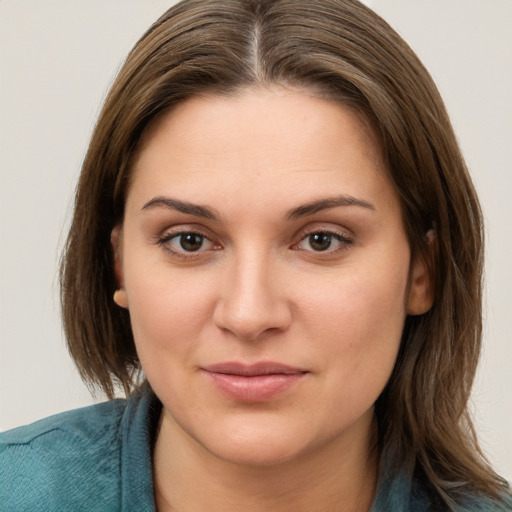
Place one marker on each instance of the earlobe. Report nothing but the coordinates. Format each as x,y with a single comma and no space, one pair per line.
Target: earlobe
120,297
421,287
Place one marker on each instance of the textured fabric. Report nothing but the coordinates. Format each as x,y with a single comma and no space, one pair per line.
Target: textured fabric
98,459
92,459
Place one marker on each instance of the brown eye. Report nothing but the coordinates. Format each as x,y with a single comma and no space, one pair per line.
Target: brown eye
185,242
323,241
191,242
320,241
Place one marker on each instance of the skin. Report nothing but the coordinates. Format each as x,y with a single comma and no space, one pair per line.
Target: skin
258,289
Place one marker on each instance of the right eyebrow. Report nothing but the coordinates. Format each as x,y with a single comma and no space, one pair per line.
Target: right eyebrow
327,203
183,207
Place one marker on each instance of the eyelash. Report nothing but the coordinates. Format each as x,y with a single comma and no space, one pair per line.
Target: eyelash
165,240
343,240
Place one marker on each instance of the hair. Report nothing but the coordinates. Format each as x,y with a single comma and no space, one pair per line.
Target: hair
341,50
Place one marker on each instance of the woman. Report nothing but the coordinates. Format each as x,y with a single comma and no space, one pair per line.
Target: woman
275,225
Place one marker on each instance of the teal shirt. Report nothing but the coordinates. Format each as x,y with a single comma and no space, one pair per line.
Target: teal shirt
98,458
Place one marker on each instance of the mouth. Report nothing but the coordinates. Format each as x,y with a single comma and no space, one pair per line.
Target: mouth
258,382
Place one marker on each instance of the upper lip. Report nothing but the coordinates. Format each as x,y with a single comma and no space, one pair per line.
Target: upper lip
251,370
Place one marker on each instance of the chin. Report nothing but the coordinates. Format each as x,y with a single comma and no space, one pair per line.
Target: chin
257,445
261,454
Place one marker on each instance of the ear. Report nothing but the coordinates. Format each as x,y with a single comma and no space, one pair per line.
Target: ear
120,297
421,282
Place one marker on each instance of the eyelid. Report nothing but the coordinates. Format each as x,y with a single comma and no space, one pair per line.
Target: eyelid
343,235
175,231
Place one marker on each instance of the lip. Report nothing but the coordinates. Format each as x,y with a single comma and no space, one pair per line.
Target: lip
257,382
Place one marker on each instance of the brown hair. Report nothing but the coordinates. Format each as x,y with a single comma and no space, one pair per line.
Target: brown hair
341,49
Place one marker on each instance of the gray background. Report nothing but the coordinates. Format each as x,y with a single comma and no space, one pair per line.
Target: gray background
57,59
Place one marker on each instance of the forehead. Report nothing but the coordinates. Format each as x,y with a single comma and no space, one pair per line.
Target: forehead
259,141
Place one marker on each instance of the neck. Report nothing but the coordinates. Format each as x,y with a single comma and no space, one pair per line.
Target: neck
341,476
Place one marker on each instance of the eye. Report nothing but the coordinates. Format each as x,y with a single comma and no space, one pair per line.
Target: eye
186,242
323,241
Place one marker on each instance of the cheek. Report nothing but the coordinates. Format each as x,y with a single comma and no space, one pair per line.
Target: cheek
167,314
359,301
359,324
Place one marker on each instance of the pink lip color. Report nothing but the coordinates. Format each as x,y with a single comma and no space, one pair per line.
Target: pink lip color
253,383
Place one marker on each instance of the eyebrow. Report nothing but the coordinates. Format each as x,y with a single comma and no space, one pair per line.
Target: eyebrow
325,204
294,214
183,207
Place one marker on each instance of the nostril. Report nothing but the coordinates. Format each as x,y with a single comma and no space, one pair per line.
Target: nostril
251,323
250,301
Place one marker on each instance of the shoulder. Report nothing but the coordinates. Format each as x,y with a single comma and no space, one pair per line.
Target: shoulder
476,504
54,462
76,425
468,503
401,488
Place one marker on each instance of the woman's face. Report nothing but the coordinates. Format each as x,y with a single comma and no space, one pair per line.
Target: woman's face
267,273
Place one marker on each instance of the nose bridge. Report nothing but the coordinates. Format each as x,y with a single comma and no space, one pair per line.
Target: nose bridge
251,301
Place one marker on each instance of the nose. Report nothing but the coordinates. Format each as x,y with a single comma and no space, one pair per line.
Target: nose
252,299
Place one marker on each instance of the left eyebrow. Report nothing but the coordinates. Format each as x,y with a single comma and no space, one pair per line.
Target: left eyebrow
183,207
325,204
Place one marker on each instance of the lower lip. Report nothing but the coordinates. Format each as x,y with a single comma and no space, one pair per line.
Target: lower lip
256,388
